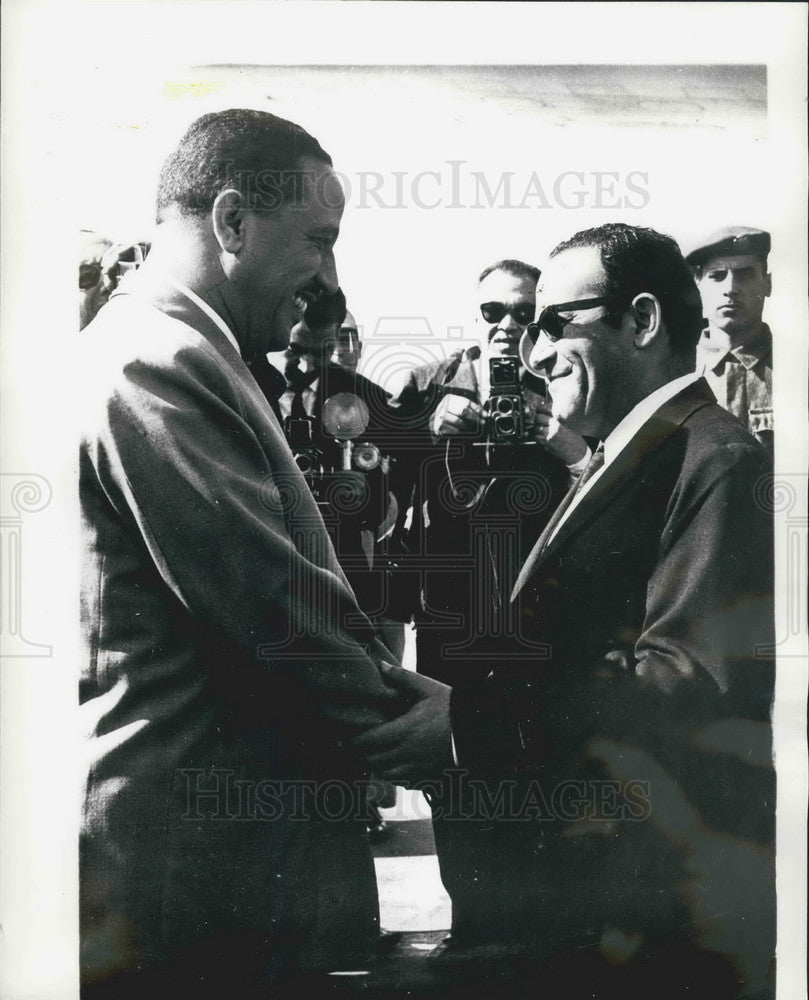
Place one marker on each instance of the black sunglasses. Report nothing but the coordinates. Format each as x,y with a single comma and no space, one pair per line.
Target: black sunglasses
552,324
493,312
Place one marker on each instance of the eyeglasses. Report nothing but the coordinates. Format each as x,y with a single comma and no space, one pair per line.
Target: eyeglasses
493,312
552,324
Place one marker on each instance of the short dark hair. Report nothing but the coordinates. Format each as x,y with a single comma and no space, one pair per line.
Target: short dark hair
516,268
253,152
637,260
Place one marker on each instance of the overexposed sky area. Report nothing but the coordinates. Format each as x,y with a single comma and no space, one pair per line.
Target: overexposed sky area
449,168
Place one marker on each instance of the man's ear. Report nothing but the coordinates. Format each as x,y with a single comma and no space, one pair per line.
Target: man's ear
647,317
768,286
227,216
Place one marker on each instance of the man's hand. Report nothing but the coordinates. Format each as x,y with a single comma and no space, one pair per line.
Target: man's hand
456,415
415,745
565,444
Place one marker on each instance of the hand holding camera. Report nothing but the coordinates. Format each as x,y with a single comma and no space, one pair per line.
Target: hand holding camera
558,439
518,411
456,415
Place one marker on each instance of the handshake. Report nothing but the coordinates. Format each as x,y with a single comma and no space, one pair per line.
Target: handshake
416,745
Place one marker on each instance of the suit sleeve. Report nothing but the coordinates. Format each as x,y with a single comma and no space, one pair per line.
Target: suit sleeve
233,531
709,610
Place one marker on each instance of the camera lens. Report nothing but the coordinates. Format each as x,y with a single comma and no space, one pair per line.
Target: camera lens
366,457
505,405
304,462
505,426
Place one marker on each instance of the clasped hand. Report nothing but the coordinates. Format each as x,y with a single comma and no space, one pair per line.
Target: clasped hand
417,744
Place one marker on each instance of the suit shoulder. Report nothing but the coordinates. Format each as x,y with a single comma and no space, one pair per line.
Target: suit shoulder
712,430
130,328
133,352
715,448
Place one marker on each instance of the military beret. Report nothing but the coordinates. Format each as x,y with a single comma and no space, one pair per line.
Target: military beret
728,241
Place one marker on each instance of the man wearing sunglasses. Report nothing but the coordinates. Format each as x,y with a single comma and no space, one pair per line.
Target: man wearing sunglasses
631,851
455,490
507,297
94,288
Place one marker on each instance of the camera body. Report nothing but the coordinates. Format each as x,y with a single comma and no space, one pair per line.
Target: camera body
507,417
308,457
338,471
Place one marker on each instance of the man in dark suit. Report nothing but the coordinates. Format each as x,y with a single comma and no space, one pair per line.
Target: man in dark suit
630,787
227,664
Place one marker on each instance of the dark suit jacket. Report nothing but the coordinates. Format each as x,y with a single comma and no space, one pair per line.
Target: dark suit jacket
645,727
472,525
224,652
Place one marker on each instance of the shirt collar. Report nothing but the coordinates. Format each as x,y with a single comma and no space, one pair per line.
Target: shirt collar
209,312
748,356
620,437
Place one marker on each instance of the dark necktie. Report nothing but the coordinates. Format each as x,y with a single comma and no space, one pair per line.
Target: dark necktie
592,467
299,381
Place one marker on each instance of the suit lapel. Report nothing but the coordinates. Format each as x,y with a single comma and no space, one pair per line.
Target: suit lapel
621,472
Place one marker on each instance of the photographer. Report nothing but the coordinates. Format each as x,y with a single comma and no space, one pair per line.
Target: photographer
350,478
461,488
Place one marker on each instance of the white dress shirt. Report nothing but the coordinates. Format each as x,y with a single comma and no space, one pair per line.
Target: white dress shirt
278,360
620,437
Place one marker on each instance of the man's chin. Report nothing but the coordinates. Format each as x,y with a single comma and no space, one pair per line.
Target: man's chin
732,325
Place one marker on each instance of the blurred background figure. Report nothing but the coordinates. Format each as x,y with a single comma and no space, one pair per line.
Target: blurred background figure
121,258
300,384
348,346
102,265
93,289
735,350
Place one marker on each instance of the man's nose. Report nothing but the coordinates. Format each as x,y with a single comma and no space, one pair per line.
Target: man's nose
509,325
729,283
543,355
327,275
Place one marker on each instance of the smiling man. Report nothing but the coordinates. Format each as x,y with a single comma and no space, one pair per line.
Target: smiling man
626,769
735,350
226,662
